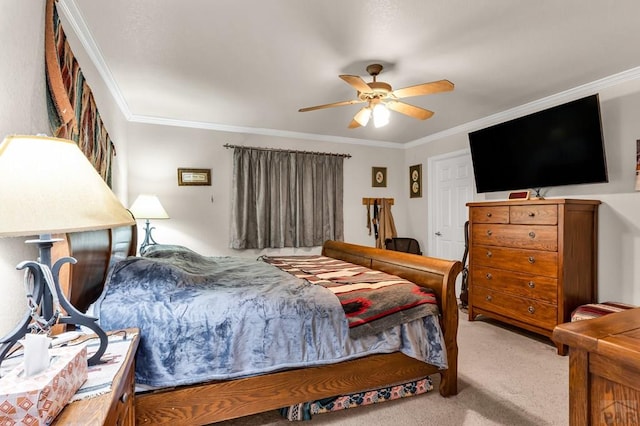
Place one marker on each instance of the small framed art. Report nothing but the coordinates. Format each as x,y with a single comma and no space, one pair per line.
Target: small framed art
519,195
187,177
379,177
415,181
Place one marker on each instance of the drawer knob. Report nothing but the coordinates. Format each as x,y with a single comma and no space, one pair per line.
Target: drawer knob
532,310
489,214
125,397
489,276
531,284
532,259
531,214
489,298
532,234
489,232
489,254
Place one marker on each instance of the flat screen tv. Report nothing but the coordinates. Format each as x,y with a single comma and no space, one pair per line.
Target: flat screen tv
562,145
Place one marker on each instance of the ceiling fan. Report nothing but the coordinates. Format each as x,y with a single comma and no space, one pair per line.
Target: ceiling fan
380,98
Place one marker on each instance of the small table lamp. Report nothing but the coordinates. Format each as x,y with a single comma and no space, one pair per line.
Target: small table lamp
147,206
49,187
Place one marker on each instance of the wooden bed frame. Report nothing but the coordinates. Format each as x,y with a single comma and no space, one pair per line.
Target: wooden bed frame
222,400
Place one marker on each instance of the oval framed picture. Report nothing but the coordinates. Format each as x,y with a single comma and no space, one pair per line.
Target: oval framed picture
415,181
379,177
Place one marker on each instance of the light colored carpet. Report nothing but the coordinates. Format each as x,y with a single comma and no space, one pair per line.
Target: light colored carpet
505,377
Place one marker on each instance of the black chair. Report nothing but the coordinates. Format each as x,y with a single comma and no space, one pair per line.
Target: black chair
407,245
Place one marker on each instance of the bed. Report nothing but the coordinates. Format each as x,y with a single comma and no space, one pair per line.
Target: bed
219,400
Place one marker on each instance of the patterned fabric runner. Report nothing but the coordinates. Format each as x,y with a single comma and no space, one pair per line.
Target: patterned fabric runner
372,300
101,376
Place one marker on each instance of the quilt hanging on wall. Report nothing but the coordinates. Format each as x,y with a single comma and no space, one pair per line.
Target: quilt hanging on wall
72,110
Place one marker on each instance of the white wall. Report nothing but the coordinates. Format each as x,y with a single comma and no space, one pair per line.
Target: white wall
23,110
149,155
108,107
619,220
200,215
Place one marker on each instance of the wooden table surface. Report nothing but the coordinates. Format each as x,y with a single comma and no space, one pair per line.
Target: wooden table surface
94,411
604,368
615,335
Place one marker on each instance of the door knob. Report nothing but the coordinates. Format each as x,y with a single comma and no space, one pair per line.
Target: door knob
439,234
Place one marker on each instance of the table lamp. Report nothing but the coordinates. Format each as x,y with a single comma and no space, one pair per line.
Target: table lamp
147,206
49,187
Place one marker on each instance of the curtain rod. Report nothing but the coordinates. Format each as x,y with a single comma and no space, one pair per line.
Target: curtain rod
287,150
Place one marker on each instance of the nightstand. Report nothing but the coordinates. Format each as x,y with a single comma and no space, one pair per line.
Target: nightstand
114,408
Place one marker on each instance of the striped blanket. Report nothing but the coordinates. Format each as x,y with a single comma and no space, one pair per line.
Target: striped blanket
372,300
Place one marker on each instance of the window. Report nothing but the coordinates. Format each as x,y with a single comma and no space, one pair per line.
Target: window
285,198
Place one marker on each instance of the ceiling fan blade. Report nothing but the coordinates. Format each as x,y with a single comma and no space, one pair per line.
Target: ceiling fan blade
410,110
357,83
331,105
424,89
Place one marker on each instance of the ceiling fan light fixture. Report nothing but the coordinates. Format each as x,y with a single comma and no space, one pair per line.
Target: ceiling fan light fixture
381,99
380,115
363,116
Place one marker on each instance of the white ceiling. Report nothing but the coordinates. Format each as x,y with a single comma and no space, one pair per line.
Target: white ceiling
249,65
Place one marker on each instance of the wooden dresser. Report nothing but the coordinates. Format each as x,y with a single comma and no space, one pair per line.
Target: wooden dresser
531,263
604,369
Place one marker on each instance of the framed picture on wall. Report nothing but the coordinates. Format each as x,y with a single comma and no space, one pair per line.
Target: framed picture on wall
189,177
415,181
379,177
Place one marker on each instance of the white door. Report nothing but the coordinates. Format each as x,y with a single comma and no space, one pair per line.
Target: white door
451,186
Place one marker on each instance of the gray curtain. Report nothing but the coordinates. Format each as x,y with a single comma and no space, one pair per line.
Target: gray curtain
285,199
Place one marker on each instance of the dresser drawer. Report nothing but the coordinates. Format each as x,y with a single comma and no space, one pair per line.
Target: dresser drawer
534,237
525,285
498,214
534,215
532,262
519,308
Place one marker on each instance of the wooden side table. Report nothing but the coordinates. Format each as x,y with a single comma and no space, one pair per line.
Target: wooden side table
114,408
604,368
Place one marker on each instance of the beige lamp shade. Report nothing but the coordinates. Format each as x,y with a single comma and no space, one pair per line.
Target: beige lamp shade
48,186
147,206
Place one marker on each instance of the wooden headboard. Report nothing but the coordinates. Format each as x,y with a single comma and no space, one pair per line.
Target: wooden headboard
95,251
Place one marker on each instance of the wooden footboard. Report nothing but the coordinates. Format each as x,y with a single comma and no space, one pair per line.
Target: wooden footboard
217,401
437,274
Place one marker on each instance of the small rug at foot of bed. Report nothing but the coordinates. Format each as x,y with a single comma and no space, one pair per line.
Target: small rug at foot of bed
306,410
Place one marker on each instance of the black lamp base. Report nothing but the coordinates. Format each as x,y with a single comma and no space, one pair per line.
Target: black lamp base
43,299
148,239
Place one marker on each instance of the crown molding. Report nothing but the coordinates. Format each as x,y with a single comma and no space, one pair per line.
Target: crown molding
531,107
145,119
70,11
72,14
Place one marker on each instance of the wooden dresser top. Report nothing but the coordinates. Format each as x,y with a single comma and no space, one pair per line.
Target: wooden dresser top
533,202
615,336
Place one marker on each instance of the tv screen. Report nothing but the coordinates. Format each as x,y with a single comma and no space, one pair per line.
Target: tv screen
562,145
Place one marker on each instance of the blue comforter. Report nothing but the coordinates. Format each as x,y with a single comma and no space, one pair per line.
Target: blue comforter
213,318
